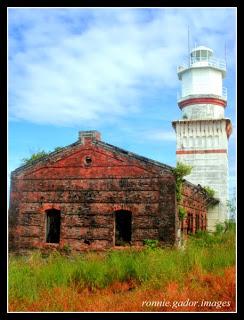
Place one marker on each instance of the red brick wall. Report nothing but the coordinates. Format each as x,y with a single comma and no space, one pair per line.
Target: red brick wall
88,195
194,203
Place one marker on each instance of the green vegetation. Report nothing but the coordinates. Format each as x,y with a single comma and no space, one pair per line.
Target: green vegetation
38,155
58,149
231,205
219,228
228,225
30,274
150,243
35,156
181,170
182,213
209,191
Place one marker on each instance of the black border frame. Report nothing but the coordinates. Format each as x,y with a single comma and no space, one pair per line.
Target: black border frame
4,5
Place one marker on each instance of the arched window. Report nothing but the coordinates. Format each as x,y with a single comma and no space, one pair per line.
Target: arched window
53,221
202,222
122,227
189,223
197,222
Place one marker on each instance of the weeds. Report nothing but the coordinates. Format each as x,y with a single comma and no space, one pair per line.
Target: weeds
151,243
205,253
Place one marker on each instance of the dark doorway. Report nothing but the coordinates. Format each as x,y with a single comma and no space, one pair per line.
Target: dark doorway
122,227
53,226
197,222
189,223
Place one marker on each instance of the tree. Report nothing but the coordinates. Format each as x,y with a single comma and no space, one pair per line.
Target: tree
181,170
35,156
38,155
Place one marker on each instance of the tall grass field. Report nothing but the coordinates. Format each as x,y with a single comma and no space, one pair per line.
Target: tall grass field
130,279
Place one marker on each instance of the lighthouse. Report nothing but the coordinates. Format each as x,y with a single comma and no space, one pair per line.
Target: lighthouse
203,131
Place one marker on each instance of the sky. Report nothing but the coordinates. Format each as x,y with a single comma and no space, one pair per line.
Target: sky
111,70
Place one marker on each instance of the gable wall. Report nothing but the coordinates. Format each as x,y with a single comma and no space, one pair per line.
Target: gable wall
88,196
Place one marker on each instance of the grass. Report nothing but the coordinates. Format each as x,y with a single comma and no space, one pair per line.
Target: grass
32,275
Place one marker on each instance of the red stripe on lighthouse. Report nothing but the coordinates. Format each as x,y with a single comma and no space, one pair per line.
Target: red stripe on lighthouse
190,101
201,151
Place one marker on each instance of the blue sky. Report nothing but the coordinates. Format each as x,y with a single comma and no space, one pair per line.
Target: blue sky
113,70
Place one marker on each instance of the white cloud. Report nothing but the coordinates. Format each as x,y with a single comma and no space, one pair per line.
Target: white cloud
160,135
70,66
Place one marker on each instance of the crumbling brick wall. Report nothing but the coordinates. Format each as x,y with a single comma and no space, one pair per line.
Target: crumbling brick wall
194,202
88,194
88,182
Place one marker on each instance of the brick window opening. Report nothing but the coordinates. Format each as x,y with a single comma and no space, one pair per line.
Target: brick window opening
203,223
122,227
53,221
189,223
197,222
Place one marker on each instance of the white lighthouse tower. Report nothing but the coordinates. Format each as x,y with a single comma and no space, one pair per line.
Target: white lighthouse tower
202,133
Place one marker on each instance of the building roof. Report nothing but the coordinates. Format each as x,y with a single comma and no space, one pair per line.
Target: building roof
201,48
99,143
133,155
121,151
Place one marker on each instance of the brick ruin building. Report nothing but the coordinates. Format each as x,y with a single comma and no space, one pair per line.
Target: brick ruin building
93,195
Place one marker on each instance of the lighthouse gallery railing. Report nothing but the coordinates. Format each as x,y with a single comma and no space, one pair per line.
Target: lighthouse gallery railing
197,62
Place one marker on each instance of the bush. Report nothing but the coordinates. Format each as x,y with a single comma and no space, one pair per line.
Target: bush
66,249
209,191
219,228
230,225
150,243
181,170
38,155
182,213
35,156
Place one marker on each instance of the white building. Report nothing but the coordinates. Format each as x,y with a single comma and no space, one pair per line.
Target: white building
202,133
